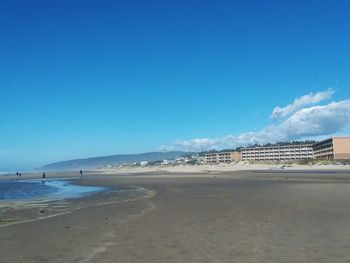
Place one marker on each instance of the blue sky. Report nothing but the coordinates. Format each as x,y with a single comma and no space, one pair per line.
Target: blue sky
90,78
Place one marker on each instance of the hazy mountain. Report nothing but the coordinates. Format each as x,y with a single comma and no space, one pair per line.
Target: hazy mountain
95,162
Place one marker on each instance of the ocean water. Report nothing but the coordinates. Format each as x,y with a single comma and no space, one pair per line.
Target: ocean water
50,189
6,173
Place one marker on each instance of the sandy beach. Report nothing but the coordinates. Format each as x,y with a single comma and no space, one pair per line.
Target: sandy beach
218,216
223,167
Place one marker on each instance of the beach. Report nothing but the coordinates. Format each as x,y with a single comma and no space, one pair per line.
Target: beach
174,216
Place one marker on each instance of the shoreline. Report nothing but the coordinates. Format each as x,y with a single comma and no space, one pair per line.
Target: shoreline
194,170
329,174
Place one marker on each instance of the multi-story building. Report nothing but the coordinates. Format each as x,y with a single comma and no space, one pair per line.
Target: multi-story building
333,148
222,157
278,152
211,158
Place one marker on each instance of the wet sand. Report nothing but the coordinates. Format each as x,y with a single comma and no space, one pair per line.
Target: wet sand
221,217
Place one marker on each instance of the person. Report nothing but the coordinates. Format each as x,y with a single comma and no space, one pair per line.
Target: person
17,174
43,177
81,174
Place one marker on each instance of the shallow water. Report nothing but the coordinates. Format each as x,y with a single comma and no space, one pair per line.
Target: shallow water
50,189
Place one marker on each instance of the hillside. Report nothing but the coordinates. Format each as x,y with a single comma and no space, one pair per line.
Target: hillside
95,162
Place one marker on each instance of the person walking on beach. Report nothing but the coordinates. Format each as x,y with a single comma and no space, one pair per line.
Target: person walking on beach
81,174
43,177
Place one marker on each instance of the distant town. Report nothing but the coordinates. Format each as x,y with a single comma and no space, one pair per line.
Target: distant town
335,148
332,150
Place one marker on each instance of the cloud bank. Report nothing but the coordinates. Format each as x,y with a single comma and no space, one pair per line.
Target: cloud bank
299,103
296,121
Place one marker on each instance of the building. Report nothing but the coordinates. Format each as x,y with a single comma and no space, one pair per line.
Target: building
236,156
278,152
211,158
222,157
143,163
333,148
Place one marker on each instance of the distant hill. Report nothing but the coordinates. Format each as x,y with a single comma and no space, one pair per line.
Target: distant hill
95,162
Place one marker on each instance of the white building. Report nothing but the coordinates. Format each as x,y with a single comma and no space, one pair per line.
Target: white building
143,163
278,152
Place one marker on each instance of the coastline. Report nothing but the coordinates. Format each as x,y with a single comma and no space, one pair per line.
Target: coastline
238,170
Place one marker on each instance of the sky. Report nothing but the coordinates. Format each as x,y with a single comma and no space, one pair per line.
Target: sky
90,78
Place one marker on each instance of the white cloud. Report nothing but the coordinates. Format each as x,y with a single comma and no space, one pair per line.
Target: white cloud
317,120
314,121
299,103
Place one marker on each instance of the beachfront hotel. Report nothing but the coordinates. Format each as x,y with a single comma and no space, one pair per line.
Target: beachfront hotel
222,157
278,152
337,148
333,148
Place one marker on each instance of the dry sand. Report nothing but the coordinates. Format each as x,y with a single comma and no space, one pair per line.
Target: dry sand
223,167
268,216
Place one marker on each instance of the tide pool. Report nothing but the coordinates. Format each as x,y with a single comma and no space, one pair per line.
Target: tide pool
50,189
